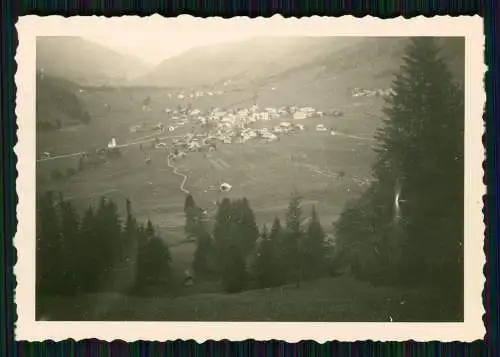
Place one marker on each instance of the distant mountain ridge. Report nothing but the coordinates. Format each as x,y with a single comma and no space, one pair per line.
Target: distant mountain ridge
318,66
84,62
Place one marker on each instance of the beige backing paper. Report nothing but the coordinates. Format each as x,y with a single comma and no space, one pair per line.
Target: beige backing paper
29,27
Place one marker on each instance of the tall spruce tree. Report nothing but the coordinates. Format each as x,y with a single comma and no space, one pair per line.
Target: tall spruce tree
277,239
234,272
244,229
222,231
230,252
49,253
314,247
111,248
411,221
70,244
154,260
428,160
265,267
87,254
193,215
203,255
292,242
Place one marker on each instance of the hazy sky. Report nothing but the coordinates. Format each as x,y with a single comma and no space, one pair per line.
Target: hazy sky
155,47
155,41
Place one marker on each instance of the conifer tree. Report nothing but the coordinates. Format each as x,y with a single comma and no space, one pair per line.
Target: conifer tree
69,245
423,140
229,255
222,227
48,246
411,221
265,263
109,230
87,271
277,239
313,247
203,255
154,259
293,237
244,230
234,273
193,215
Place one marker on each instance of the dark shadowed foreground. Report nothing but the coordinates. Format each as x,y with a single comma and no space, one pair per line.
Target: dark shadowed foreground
331,300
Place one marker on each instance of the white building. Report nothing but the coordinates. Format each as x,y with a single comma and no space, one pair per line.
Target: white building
112,143
299,115
320,127
285,125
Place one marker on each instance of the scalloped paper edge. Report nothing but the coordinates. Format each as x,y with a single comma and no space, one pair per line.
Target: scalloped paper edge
28,329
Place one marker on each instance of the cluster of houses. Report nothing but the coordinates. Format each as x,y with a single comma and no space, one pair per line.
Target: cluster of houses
358,92
234,126
147,127
194,95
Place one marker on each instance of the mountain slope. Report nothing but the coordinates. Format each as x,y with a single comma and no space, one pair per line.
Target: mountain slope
57,104
250,59
293,70
85,62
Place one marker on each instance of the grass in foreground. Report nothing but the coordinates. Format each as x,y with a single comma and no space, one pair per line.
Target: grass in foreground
341,299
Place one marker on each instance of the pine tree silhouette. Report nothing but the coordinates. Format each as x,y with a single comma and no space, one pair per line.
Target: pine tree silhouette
314,247
409,225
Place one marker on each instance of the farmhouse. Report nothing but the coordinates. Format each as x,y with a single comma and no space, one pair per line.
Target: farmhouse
160,127
135,128
307,110
285,125
299,115
112,143
225,187
269,136
161,146
194,145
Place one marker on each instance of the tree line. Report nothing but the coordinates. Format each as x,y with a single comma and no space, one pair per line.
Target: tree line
96,251
55,100
241,255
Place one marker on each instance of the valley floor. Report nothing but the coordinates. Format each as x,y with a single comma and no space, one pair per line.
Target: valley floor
341,299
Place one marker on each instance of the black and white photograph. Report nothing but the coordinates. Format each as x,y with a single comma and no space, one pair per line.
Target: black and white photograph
221,173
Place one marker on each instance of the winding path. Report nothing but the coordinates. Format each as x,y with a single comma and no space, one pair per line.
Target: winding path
175,171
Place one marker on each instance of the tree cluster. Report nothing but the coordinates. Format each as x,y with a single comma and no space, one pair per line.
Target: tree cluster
97,251
56,99
408,227
241,255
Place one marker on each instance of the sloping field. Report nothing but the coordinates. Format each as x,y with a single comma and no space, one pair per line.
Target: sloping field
327,300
